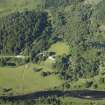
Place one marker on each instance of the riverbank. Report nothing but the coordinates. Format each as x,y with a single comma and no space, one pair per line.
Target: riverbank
82,94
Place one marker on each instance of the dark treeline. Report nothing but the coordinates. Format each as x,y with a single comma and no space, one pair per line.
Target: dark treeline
57,3
19,32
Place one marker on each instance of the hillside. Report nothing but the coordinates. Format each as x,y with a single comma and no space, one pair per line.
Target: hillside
10,6
52,45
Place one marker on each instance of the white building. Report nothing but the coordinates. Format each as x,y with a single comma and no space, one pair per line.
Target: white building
53,58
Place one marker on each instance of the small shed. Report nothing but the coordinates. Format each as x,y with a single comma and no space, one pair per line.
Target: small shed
53,57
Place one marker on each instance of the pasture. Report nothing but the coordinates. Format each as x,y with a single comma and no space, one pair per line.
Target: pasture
23,79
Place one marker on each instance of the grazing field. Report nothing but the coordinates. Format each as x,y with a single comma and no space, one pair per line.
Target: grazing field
24,79
75,101
9,6
60,48
93,2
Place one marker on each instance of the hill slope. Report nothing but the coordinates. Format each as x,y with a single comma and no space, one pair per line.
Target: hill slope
71,22
8,6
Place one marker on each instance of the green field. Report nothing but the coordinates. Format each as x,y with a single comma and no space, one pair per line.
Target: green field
60,48
76,101
24,80
10,6
93,2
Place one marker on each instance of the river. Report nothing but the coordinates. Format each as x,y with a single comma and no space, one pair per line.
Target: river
83,94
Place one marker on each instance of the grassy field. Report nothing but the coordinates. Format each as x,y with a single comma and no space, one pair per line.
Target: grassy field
93,2
24,79
60,48
9,6
76,101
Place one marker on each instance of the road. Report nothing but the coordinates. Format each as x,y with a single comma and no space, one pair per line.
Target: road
17,56
83,94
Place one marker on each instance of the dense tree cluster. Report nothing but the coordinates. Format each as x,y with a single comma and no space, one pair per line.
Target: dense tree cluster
76,27
99,13
19,32
57,3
